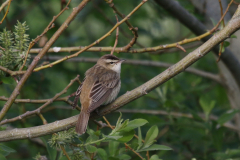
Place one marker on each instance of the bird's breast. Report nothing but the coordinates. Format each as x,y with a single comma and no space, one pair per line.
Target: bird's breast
114,93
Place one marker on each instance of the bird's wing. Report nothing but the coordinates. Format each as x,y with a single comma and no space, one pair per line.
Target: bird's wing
101,91
77,96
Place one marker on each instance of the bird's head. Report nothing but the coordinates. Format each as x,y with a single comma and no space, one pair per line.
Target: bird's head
111,62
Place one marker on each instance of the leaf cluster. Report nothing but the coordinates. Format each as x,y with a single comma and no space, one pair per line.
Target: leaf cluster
123,132
14,47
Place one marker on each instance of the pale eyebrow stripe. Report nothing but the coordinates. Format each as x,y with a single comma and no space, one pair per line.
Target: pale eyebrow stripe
111,60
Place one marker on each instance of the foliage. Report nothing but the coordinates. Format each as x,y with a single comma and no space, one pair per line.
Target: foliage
188,113
5,151
122,133
15,47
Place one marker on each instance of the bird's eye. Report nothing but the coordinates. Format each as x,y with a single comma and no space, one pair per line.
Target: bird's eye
111,62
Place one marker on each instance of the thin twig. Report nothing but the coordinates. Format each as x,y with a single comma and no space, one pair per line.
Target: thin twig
116,41
94,43
150,49
34,63
118,49
131,28
180,47
50,26
65,153
42,118
204,74
23,133
127,146
120,29
38,110
6,70
9,2
3,98
221,46
219,22
176,114
4,5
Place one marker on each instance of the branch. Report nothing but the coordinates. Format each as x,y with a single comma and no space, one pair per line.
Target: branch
34,63
233,25
177,114
119,49
126,145
131,28
204,74
3,98
50,26
117,34
228,58
6,70
38,110
3,5
94,43
121,30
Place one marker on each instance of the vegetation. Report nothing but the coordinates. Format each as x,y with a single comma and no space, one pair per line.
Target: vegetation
161,112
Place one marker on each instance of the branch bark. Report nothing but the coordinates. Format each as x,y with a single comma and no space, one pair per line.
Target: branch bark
136,93
34,63
228,58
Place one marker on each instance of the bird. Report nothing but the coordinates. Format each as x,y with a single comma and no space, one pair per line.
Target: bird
100,86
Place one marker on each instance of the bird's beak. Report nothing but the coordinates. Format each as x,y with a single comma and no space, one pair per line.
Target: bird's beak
122,60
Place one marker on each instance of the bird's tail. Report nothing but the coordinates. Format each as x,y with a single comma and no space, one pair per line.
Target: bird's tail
82,122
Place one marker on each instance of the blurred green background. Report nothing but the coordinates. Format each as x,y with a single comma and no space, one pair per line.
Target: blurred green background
185,93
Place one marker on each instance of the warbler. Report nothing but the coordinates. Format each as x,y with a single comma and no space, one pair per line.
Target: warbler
101,85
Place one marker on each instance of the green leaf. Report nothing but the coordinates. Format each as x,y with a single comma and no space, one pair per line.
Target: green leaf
126,136
233,36
102,154
8,80
5,150
121,125
2,157
92,138
227,116
113,148
155,147
154,157
119,121
51,151
124,157
90,131
151,135
207,108
134,124
139,138
91,149
113,137
226,44
214,22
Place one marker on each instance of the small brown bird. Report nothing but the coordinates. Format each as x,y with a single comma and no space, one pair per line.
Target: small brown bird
100,86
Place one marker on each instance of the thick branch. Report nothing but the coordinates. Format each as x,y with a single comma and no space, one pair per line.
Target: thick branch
172,71
17,89
228,58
